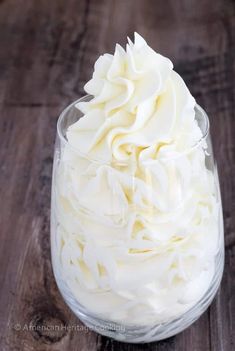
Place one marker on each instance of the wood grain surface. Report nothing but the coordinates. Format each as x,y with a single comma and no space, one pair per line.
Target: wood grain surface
47,52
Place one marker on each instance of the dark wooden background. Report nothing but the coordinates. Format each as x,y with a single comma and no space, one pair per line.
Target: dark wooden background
47,52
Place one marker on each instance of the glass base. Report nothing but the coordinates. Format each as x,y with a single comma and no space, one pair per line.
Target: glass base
144,334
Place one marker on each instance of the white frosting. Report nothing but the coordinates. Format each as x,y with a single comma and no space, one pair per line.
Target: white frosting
137,212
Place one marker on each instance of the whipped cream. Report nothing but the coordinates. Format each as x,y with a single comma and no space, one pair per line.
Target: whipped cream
135,204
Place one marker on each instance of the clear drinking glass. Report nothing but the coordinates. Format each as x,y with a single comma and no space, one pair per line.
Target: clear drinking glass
137,252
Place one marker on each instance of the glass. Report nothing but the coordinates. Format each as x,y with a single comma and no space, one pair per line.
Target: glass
137,252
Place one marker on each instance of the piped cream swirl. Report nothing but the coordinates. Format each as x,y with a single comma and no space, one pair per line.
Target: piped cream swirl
139,102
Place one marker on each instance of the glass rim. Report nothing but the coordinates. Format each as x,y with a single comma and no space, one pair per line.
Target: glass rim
64,140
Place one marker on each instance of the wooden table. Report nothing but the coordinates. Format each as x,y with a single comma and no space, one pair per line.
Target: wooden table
47,53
